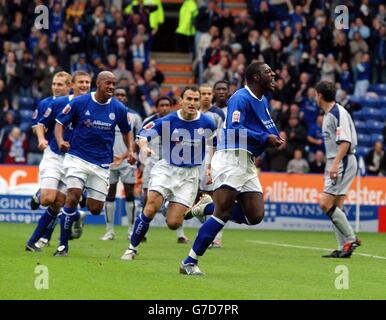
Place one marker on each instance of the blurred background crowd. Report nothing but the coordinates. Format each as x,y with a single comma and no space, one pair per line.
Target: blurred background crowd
297,38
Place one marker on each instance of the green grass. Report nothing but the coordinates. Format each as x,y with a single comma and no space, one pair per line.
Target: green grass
240,270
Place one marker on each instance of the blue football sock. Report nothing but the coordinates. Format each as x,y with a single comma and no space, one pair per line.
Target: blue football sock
43,222
205,237
67,218
238,215
209,209
141,226
37,195
50,228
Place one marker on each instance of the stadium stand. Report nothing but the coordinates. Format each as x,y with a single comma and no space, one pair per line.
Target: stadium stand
296,38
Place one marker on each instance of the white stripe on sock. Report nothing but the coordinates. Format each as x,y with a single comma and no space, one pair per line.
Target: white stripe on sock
193,255
218,220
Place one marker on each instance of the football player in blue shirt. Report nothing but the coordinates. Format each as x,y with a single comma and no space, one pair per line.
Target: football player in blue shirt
90,151
51,192
51,165
248,131
184,136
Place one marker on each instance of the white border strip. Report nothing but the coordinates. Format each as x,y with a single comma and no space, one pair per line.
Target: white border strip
310,248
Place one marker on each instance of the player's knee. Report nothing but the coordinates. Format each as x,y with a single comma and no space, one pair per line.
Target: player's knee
73,198
47,199
173,224
95,210
257,217
325,206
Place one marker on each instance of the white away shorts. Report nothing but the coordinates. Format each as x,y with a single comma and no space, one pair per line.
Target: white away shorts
236,169
175,184
51,171
82,174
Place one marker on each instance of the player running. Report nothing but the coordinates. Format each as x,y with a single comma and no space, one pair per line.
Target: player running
94,117
52,188
184,136
163,106
340,139
248,131
125,171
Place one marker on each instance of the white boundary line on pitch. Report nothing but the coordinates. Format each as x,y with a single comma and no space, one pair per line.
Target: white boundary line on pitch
310,248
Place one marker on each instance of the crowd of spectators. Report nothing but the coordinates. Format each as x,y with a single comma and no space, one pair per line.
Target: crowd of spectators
297,38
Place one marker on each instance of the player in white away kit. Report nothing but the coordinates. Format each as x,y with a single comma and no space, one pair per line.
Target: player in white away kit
94,117
124,171
340,139
184,137
52,188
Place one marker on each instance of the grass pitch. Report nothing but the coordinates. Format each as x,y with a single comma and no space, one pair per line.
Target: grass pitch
252,265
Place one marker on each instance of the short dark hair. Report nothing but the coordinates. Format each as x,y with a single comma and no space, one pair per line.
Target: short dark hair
164,98
192,88
252,70
220,82
327,90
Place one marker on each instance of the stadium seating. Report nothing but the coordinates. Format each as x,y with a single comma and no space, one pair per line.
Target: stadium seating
379,89
26,103
383,113
362,151
371,114
376,137
361,126
369,102
358,115
374,126
364,140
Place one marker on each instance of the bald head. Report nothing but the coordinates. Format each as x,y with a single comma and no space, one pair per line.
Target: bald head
105,82
105,75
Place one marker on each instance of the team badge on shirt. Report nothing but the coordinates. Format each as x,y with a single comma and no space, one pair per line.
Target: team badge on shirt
338,132
47,113
200,130
236,116
149,126
112,116
66,109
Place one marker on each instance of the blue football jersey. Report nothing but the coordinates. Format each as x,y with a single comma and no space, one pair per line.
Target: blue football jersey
248,123
41,110
48,121
94,127
183,141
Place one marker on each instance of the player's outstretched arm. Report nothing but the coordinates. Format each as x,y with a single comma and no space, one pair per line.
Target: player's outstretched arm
129,142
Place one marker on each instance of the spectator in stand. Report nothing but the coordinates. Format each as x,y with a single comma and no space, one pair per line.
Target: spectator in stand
186,29
379,52
363,76
226,19
359,27
243,25
121,71
319,164
375,160
206,18
61,49
358,47
217,72
135,99
296,134
315,137
139,51
251,47
309,108
15,147
329,68
158,75
262,16
298,164
345,78
12,73
82,65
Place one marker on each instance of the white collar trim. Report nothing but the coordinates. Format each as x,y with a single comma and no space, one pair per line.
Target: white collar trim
180,116
252,94
95,100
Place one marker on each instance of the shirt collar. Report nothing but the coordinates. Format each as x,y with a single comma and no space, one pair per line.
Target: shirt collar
251,93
